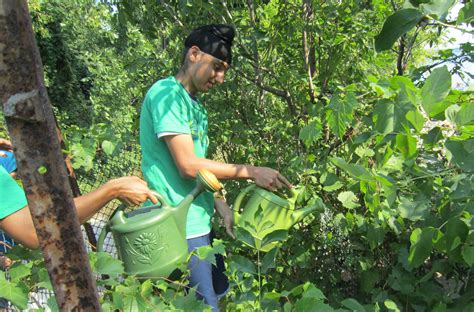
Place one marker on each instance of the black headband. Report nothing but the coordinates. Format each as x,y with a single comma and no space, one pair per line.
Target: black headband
215,39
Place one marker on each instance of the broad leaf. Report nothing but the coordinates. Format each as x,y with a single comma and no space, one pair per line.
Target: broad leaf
353,305
245,236
104,263
243,264
412,210
20,270
275,236
384,116
421,246
340,113
108,147
16,293
406,144
268,261
439,8
311,132
416,119
356,171
435,90
465,114
461,153
468,254
348,200
466,14
395,26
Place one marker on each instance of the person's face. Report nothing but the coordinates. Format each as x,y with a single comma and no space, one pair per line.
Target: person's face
207,71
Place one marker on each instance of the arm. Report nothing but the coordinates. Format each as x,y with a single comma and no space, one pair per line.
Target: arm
131,190
182,149
226,214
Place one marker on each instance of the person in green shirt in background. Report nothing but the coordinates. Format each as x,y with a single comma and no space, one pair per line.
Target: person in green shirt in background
174,142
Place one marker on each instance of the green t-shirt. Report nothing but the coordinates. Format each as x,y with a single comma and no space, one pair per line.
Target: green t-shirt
12,197
168,107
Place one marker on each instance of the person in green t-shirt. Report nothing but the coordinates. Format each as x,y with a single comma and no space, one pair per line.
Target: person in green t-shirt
174,142
15,218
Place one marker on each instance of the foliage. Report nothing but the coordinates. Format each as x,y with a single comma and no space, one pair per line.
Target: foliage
341,96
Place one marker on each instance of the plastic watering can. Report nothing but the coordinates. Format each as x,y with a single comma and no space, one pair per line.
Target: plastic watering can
151,241
265,212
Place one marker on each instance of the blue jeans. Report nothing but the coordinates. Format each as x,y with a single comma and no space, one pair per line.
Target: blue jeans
210,280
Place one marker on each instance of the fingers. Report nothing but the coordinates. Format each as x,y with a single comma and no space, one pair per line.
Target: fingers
152,197
285,181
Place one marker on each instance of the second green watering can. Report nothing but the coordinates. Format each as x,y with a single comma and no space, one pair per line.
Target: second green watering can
151,241
265,212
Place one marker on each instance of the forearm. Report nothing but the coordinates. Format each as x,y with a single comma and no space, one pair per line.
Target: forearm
219,169
87,205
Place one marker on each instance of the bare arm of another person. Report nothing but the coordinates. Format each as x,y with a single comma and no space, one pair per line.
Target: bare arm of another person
130,190
182,149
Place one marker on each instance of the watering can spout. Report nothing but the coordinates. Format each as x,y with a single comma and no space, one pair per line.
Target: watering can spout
300,214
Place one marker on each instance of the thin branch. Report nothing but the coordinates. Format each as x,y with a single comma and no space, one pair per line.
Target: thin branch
173,14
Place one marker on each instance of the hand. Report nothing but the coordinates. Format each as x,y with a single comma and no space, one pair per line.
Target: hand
227,216
132,190
269,178
6,145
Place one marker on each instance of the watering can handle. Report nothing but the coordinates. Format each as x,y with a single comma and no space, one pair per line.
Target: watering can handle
294,195
240,197
162,202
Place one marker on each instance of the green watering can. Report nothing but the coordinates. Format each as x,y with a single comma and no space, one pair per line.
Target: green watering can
151,241
265,212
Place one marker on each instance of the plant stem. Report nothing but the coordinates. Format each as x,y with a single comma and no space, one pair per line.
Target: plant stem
259,281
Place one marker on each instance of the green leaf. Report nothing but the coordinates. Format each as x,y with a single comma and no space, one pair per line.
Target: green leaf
406,144
348,200
340,113
435,90
275,236
421,246
44,280
103,263
375,235
244,236
465,114
416,119
389,187
52,304
311,291
311,132
412,210
461,153
268,261
395,26
384,116
108,147
440,8
206,253
468,254
20,270
16,293
354,170
391,305
466,14
353,305
243,264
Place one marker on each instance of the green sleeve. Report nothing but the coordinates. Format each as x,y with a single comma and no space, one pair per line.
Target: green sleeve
12,197
169,112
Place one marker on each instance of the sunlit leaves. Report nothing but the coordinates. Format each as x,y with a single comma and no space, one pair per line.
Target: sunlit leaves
438,8
395,26
412,210
17,293
348,200
311,132
339,114
435,90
